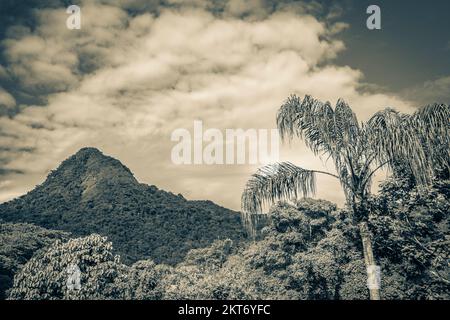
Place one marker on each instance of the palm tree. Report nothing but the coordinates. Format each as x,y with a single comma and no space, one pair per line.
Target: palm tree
358,150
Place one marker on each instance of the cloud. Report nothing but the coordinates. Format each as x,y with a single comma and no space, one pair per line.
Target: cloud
125,81
3,73
434,91
7,101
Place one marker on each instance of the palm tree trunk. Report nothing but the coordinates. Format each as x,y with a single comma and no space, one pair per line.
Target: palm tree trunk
368,258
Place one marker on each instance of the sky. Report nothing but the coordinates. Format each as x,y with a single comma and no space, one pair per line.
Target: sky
138,70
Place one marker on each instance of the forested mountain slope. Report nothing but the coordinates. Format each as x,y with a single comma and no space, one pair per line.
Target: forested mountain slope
94,193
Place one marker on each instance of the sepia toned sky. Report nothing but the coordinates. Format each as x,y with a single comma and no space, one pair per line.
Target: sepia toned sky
137,70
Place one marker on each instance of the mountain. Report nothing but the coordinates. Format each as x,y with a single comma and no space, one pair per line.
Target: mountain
94,193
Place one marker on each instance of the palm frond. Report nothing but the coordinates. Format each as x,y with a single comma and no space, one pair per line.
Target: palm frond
289,116
275,182
308,119
346,124
393,140
433,119
432,124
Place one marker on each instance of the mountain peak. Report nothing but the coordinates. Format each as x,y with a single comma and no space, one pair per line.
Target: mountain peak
91,192
91,172
89,151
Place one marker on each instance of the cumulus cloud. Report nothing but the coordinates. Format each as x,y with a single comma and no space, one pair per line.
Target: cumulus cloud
125,81
434,91
7,101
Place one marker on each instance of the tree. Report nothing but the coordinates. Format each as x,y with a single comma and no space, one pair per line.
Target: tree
18,244
410,229
143,281
357,150
45,276
198,276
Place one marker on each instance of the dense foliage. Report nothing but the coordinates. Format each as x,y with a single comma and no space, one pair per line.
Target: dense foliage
45,275
411,232
303,255
93,193
18,244
310,250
